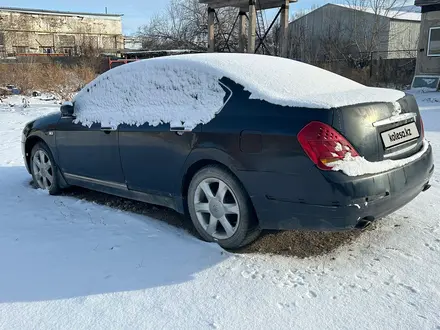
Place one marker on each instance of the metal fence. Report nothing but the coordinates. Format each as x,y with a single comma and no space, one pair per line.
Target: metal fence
381,68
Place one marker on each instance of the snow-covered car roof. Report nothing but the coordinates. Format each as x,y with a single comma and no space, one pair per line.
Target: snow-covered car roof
288,82
185,89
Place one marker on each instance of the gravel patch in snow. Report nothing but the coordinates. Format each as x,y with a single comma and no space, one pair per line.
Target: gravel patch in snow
302,244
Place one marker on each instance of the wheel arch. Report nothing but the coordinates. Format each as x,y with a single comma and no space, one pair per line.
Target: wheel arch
194,168
200,160
202,157
31,141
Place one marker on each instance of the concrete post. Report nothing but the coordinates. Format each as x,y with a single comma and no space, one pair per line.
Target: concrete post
242,31
211,41
284,28
252,27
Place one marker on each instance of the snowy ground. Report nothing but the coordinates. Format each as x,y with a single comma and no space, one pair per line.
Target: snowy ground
69,264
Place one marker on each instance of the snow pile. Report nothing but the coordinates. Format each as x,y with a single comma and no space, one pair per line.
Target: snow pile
356,166
431,100
185,89
22,104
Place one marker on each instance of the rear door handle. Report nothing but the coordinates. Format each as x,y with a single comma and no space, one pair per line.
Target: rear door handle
180,130
107,130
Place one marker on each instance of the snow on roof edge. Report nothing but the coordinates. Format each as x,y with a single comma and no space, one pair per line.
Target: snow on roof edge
59,12
402,15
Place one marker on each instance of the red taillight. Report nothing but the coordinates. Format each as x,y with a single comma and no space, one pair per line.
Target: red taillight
422,128
323,144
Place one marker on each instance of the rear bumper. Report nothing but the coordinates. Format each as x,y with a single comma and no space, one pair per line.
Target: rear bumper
345,200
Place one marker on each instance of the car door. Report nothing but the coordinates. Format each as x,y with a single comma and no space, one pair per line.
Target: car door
89,154
152,157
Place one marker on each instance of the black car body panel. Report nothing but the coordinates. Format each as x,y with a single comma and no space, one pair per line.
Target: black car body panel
138,144
257,141
88,151
43,129
332,200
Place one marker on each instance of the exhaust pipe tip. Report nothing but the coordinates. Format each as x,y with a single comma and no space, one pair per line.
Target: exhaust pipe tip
426,187
364,223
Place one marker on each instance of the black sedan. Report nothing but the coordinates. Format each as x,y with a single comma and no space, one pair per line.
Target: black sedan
259,159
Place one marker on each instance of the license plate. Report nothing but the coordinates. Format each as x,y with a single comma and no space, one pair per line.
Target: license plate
400,134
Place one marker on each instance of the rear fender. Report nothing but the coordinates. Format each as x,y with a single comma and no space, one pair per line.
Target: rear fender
210,154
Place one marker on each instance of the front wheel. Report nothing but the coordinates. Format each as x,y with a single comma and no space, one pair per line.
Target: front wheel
43,168
220,208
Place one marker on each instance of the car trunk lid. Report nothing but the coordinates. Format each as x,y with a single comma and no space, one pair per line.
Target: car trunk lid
380,131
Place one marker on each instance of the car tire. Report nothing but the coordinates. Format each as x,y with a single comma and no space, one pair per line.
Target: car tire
220,208
43,169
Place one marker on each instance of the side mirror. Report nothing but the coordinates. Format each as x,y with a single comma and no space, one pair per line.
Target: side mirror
67,109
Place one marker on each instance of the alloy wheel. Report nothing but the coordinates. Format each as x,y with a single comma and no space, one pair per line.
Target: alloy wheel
216,208
42,169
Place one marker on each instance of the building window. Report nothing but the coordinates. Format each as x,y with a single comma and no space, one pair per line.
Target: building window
434,42
20,49
68,51
46,50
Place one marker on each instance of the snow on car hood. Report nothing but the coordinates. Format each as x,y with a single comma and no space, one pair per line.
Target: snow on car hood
184,90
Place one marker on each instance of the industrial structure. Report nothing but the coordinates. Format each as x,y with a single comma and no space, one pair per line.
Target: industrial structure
35,31
248,11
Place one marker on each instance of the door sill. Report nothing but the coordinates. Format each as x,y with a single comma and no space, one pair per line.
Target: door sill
121,190
73,177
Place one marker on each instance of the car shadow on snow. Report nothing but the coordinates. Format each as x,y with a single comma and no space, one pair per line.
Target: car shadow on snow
296,243
58,247
86,243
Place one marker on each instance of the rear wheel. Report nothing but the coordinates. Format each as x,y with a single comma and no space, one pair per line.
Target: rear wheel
220,208
43,169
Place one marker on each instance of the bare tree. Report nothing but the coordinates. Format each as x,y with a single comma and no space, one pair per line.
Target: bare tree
183,24
370,32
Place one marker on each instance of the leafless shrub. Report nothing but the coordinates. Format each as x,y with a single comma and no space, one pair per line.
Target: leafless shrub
41,77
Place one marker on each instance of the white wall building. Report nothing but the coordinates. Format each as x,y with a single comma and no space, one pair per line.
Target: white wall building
337,31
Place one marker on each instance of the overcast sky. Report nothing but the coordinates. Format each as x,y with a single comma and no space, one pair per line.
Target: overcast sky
135,13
